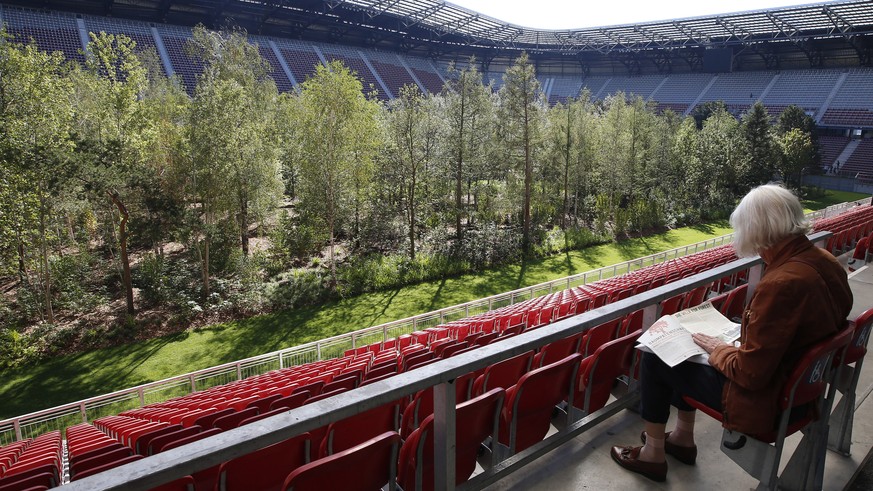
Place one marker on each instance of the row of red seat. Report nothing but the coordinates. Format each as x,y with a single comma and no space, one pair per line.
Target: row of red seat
32,464
848,228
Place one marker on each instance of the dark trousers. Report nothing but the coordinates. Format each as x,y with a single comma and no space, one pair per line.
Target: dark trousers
662,386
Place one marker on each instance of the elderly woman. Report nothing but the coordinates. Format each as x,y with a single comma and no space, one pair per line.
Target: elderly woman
802,298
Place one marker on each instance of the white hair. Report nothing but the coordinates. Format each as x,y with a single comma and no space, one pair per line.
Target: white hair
764,217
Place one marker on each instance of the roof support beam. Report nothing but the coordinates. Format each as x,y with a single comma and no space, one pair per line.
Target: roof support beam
694,36
733,29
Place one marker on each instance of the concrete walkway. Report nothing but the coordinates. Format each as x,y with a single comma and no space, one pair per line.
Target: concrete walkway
584,463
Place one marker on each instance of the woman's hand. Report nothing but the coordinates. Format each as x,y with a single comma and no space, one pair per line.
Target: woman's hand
708,343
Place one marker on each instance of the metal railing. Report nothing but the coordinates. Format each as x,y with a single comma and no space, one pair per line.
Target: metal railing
203,454
59,417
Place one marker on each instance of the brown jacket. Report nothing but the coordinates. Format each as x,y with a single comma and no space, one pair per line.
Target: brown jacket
794,306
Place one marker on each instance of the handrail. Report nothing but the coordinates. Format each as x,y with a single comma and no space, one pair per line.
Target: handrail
202,454
56,418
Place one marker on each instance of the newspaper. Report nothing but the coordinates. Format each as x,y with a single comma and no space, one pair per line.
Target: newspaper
670,336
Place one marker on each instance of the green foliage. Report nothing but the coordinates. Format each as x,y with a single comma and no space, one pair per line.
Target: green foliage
73,291
296,288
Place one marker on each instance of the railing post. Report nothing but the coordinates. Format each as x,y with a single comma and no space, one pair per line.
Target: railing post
141,395
83,412
239,372
755,273
318,351
282,360
17,426
193,383
384,332
444,436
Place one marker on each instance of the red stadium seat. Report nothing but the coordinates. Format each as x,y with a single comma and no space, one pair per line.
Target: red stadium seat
264,469
846,382
347,433
802,401
365,467
528,407
476,420
598,372
504,373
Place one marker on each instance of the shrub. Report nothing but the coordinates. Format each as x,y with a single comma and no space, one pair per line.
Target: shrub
296,288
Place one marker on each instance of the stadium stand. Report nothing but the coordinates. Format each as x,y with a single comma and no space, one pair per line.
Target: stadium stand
860,162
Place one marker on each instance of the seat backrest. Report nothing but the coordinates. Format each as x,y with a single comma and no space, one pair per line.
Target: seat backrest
858,347
99,460
695,297
297,399
158,442
504,373
368,466
599,335
416,411
206,421
558,350
263,415
188,439
475,420
109,465
631,322
672,304
598,371
527,409
265,469
733,306
231,421
28,480
345,383
810,376
314,388
263,403
346,433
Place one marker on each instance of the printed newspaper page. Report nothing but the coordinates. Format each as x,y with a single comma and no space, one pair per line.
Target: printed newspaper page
670,336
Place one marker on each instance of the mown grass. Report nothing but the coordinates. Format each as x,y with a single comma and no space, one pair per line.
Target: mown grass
75,377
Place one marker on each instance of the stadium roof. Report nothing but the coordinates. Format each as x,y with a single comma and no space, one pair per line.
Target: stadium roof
438,23
838,33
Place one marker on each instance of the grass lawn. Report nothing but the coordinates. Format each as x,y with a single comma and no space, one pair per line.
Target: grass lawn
71,378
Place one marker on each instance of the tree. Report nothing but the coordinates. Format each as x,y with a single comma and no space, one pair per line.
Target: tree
703,111
412,132
722,152
759,142
797,155
35,144
336,129
113,132
469,118
235,67
794,117
520,108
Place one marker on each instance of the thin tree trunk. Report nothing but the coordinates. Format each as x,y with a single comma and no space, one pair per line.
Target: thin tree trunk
528,179
459,175
204,267
565,209
243,226
122,244
47,277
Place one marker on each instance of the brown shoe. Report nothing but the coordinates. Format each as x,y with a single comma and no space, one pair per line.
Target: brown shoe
686,455
628,457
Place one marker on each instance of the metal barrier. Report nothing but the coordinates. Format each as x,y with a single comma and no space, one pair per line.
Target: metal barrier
203,454
59,417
